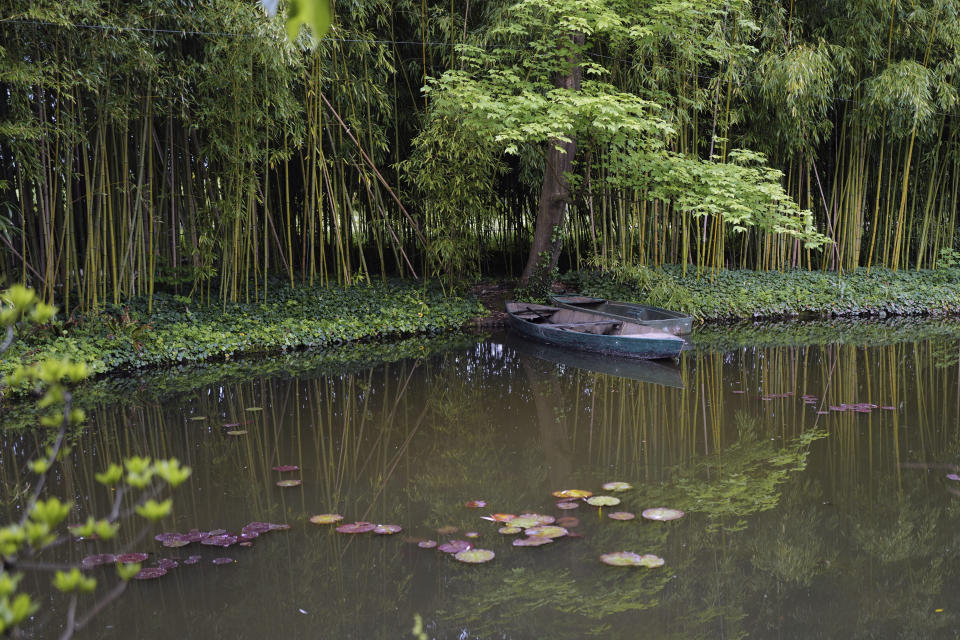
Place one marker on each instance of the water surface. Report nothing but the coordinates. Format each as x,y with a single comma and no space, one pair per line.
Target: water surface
802,521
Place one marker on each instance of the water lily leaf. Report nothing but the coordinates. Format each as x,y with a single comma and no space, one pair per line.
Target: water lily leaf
150,573
237,432
455,546
662,513
603,501
254,408
509,531
471,534
131,558
953,476
524,522
167,563
572,493
621,515
95,561
532,541
565,505
289,483
326,518
222,540
192,560
387,529
175,543
652,561
499,517
356,527
617,486
286,467
547,531
219,561
474,556
622,559
198,418
427,544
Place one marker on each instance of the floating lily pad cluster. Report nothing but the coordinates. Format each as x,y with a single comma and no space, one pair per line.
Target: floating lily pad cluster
359,526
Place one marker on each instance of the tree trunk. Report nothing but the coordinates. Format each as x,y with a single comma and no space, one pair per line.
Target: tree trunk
555,192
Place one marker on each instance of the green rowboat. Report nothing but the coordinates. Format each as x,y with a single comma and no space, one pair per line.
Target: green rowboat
670,321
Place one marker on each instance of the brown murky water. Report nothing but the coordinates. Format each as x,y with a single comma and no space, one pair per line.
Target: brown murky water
801,520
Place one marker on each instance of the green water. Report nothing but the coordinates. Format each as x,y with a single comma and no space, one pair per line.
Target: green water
798,524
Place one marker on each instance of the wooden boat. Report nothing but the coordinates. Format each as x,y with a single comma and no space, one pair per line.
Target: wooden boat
670,321
589,331
664,373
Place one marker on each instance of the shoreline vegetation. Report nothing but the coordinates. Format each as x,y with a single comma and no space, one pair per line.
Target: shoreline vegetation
384,317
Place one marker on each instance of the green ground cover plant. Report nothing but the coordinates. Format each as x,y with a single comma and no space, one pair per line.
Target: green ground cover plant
741,294
177,331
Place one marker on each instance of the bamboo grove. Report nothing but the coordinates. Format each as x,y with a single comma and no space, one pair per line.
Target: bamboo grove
188,146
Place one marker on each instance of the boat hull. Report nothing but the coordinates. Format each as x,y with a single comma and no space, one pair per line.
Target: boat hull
678,324
654,345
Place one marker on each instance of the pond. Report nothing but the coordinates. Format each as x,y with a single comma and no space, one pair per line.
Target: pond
813,477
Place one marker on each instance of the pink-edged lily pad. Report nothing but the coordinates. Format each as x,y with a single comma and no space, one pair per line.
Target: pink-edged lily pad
427,544
572,493
150,573
289,483
603,501
326,518
455,546
224,540
474,556
547,531
131,558
568,521
281,526
621,515
475,504
509,531
499,517
230,425
162,537
167,563
194,535
282,468
247,536
662,513
387,529
651,561
356,527
953,476
95,561
617,486
192,560
175,543
565,505
219,561
532,541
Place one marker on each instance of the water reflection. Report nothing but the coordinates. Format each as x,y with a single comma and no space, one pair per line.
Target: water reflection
802,521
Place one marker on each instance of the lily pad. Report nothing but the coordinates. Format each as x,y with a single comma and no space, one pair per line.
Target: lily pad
237,432
617,486
953,476
289,483
455,546
475,504
222,540
621,515
662,513
509,531
547,531
565,505
500,517
131,558
222,561
471,534
286,467
192,560
254,408
150,573
427,544
274,526
572,493
247,536
622,559
603,501
175,543
524,522
356,527
387,529
194,535
475,556
652,561
197,418
167,563
532,541
162,537
95,561
326,518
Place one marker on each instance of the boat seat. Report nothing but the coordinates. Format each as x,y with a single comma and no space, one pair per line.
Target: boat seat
602,327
